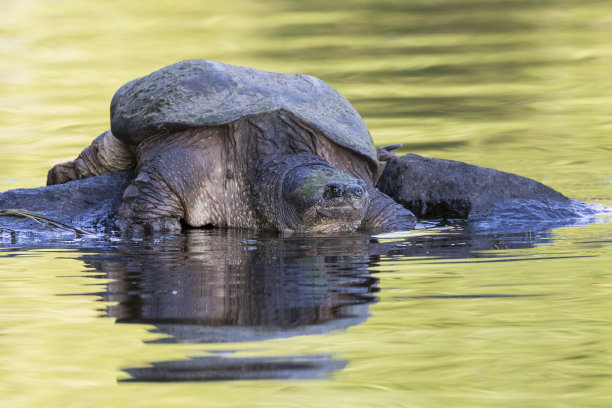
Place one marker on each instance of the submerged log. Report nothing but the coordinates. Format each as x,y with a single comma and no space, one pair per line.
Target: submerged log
87,205
447,189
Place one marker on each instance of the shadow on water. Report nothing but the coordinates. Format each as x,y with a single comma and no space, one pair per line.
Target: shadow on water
228,286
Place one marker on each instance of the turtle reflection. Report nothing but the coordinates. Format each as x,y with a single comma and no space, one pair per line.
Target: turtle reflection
211,287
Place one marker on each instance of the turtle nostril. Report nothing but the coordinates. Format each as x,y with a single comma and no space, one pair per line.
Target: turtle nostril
333,190
357,191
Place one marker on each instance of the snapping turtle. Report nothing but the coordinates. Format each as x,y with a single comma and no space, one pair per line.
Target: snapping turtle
222,145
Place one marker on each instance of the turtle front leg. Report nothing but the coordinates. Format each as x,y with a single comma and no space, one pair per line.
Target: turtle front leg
149,206
384,214
106,154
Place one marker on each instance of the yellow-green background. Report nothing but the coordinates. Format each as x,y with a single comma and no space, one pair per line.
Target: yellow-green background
522,86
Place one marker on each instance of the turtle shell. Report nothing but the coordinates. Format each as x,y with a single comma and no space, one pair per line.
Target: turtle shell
202,93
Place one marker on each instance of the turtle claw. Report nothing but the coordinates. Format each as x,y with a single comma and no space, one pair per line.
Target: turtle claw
151,227
385,154
158,226
129,229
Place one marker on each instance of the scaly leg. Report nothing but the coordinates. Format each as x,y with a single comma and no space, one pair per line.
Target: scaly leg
106,154
149,206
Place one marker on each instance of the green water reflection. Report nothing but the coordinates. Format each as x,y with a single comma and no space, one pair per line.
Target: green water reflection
521,86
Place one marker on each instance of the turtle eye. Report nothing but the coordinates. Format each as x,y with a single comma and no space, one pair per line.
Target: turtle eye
333,190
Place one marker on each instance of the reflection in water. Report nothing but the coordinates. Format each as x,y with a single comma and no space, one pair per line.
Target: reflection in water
212,287
236,279
221,368
236,286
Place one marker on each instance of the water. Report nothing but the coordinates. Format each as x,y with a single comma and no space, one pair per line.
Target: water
458,315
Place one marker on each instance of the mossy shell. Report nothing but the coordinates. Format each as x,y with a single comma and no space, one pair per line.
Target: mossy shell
202,93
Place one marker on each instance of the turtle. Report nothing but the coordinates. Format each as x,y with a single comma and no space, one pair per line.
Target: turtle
214,144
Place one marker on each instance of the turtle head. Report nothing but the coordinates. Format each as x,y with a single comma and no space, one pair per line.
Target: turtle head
319,198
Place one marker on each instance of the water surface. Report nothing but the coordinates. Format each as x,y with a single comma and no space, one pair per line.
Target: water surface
451,315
